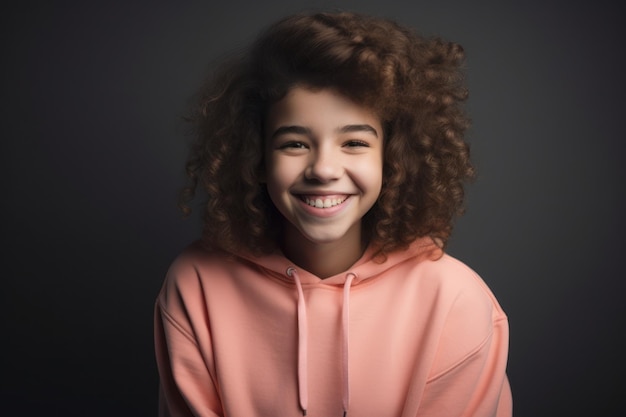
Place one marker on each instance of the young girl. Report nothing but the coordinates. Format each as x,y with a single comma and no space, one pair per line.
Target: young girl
333,159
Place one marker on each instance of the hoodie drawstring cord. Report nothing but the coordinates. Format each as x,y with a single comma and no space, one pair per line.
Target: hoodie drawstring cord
303,342
345,320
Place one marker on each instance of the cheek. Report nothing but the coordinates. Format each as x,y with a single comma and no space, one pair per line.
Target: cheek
281,174
377,186
370,175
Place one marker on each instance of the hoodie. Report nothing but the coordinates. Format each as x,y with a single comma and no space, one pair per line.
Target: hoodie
419,334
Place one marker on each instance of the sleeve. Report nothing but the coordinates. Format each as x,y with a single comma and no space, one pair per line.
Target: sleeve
469,377
476,386
187,386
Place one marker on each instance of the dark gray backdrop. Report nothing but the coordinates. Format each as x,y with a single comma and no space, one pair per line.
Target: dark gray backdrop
92,157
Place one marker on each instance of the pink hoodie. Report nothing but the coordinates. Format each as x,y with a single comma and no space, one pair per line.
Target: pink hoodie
417,335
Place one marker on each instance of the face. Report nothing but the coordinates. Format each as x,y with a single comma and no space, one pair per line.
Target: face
324,165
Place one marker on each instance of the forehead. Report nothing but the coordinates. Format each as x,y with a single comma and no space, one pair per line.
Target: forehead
320,109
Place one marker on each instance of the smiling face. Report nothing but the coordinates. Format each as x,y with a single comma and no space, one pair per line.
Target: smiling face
324,165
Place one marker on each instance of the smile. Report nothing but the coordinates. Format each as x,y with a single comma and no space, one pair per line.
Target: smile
322,202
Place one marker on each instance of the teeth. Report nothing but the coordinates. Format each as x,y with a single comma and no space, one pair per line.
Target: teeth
326,203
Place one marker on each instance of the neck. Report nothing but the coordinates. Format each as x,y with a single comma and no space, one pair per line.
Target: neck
324,259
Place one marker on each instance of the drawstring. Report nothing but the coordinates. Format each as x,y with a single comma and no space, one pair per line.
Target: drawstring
345,321
303,342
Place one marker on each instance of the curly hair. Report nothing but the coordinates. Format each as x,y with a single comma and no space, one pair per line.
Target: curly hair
414,84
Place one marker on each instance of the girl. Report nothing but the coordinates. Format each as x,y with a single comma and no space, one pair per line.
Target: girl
333,160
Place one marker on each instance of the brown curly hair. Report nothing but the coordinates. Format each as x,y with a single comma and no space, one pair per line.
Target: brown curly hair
414,84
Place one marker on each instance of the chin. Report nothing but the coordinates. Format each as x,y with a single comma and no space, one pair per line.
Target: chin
323,238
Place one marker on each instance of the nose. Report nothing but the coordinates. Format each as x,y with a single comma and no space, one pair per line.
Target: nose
324,166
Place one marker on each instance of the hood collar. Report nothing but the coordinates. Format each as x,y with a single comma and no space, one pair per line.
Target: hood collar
366,267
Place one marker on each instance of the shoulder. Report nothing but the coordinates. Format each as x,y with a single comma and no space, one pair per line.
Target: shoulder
461,287
195,260
191,271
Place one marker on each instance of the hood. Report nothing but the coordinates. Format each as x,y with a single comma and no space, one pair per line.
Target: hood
368,266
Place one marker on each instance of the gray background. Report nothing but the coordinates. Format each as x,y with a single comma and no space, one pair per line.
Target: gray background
93,151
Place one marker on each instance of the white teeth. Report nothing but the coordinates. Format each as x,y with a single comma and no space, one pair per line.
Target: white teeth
326,203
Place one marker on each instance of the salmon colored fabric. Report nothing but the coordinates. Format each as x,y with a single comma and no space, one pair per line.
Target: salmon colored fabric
417,335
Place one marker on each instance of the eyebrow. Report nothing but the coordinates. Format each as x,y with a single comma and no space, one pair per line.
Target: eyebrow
359,128
298,130
301,130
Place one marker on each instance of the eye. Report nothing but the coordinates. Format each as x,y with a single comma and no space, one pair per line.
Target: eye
355,143
292,145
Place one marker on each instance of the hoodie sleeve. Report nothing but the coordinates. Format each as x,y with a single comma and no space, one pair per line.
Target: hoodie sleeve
469,378
475,387
187,383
